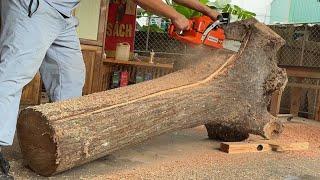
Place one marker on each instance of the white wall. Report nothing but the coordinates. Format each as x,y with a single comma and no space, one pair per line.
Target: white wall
260,7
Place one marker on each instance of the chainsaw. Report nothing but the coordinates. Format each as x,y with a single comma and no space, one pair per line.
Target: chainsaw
203,30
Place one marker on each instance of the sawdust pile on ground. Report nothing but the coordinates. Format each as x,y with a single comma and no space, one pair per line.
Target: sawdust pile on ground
206,159
302,132
188,154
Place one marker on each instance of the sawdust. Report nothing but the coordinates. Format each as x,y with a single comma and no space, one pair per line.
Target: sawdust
188,154
201,160
301,132
297,132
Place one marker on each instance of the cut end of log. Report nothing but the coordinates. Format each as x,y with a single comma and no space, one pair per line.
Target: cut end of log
37,144
273,129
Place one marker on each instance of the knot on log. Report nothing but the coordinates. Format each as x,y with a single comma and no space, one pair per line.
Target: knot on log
277,80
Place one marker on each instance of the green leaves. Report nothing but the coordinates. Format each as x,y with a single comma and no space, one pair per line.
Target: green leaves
152,28
187,12
183,10
239,12
223,5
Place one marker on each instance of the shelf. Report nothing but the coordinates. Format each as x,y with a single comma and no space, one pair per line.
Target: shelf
303,72
138,63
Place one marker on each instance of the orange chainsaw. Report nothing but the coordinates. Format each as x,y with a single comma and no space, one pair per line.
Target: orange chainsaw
203,30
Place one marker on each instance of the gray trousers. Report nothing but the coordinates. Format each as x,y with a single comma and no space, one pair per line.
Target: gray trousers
46,41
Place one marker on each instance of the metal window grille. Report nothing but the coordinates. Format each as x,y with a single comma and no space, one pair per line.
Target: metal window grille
151,35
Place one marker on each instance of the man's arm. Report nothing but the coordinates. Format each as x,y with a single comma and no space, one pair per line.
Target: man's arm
160,8
198,6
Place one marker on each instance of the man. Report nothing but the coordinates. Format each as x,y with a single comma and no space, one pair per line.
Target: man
41,34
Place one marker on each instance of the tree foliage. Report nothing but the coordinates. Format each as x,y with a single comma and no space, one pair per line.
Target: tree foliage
239,12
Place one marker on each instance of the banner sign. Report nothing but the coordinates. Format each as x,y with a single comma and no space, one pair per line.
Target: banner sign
121,25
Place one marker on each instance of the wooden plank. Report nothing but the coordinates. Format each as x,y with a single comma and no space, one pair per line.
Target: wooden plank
97,73
92,56
298,146
275,102
303,72
107,70
244,147
90,48
304,86
295,101
89,60
31,94
310,102
138,63
263,146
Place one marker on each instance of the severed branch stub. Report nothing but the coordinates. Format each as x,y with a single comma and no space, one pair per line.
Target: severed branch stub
275,79
218,87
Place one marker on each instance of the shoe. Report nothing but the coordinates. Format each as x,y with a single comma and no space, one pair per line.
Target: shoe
6,177
4,167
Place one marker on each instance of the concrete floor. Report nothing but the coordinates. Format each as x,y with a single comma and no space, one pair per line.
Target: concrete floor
188,154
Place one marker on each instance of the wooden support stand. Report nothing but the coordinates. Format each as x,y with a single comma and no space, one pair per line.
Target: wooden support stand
240,147
296,90
246,147
295,100
317,117
276,102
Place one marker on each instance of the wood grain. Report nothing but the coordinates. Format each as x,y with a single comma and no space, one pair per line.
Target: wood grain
295,100
31,94
93,63
242,147
275,102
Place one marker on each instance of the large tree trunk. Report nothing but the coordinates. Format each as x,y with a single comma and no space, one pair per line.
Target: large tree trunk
216,86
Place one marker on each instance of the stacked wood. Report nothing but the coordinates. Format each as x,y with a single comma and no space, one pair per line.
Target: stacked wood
213,86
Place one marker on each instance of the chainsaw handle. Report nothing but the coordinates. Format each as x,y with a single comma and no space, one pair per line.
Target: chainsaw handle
172,29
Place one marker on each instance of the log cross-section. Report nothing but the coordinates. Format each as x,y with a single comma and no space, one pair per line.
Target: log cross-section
211,86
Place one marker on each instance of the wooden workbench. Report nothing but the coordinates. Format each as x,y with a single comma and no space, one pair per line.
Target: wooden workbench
299,73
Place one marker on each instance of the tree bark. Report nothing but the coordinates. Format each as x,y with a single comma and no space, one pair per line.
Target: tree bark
212,86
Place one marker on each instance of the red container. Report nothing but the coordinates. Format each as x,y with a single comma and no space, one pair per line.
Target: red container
124,79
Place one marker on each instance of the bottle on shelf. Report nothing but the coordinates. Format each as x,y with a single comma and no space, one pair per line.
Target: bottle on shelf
124,79
152,54
139,77
115,79
148,77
